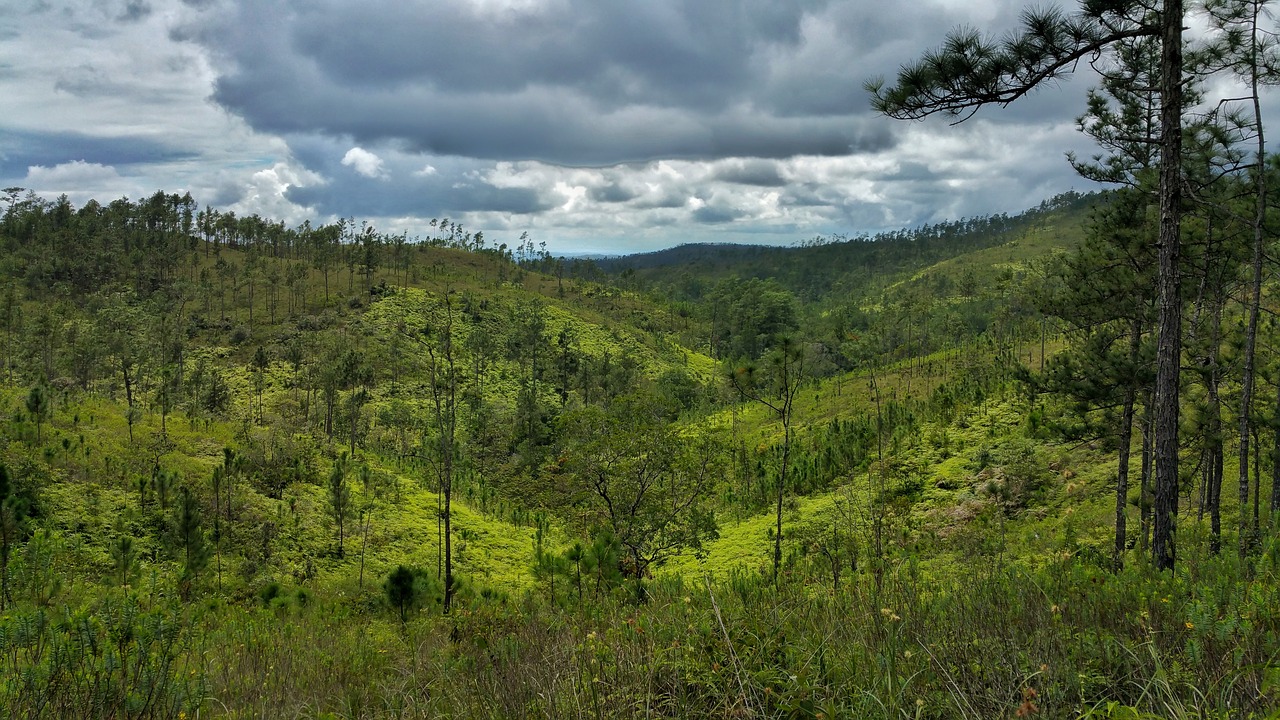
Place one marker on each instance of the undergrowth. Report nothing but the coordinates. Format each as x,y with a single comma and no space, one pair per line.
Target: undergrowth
1063,640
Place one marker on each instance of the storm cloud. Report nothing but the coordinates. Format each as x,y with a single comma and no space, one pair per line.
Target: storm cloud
594,125
571,82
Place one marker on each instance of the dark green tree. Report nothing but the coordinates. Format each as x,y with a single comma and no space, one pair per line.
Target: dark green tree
38,406
446,380
189,541
1104,297
402,590
340,506
15,508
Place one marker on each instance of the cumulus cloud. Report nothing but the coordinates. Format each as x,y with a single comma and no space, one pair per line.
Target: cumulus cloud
364,162
80,181
72,173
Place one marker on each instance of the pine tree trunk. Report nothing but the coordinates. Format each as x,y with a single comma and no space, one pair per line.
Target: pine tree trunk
1168,349
1126,443
1255,299
1144,482
1122,477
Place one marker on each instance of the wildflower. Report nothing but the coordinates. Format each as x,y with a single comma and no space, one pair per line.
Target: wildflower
1028,706
1190,625
919,702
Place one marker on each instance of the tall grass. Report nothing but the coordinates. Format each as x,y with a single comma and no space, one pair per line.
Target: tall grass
1065,640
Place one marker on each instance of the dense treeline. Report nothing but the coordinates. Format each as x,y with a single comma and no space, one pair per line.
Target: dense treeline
818,267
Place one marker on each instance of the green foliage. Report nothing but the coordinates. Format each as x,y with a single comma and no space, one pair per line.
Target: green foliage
644,480
591,424
402,590
113,657
38,406
340,508
189,542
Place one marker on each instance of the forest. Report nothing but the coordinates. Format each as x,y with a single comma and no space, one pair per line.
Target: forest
324,471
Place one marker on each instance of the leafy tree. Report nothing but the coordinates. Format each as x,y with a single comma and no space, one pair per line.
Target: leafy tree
217,396
748,317
526,345
1250,53
643,479
162,481
124,321
1104,297
446,381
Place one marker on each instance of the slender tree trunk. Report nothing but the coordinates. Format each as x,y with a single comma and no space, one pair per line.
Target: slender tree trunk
1169,345
1257,486
364,544
877,517
1255,299
1144,490
448,545
1215,498
1126,443
782,489
1274,506
1217,453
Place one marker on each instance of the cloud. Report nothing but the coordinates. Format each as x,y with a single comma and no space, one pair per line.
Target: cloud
364,162
80,181
135,11
595,126
22,149
72,173
570,82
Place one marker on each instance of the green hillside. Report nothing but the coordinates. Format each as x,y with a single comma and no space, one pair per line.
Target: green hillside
259,471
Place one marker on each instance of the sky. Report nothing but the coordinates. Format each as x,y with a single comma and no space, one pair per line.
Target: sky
597,126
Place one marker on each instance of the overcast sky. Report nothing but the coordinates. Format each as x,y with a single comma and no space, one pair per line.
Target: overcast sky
595,125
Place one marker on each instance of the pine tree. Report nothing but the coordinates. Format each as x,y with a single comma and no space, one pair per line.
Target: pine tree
969,72
189,540
340,506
